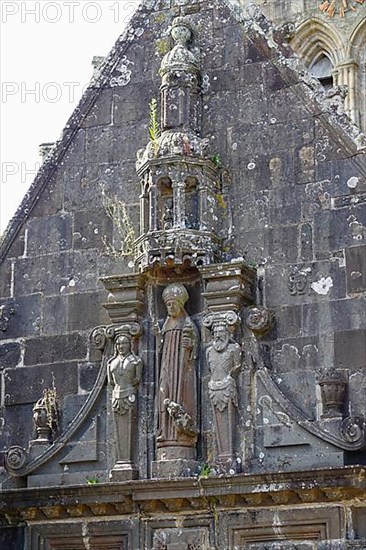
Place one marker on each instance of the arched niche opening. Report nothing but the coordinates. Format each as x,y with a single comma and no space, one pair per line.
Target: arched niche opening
192,206
322,68
166,203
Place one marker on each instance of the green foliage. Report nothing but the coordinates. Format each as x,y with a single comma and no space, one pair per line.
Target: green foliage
252,263
125,233
162,46
216,160
154,127
220,200
92,480
205,471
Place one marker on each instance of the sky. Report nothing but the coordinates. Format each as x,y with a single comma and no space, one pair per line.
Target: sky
46,50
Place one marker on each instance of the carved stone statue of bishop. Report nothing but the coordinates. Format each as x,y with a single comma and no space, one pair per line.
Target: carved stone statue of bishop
224,362
177,391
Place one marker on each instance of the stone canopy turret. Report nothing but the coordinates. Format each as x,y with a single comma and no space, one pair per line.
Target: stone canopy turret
179,181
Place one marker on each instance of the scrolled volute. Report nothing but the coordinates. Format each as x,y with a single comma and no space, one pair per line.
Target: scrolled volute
98,337
101,335
15,458
353,429
228,318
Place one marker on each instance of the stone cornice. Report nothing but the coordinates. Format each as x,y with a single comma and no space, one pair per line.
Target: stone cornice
189,495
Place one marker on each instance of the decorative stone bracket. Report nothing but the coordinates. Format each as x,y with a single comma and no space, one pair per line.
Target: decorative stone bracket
348,434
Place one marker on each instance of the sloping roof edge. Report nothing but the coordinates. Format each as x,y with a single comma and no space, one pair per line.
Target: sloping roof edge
73,124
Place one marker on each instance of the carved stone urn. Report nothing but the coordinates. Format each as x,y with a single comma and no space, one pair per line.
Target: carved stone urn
41,422
333,388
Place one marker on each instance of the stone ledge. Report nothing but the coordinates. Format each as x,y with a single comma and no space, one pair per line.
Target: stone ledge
189,495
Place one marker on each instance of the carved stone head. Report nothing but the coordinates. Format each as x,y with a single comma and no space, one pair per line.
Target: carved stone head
123,344
221,336
176,291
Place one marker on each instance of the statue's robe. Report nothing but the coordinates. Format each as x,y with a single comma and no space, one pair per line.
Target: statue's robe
177,379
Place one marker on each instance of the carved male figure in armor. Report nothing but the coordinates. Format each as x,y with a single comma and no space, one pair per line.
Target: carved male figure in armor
177,399
124,374
224,361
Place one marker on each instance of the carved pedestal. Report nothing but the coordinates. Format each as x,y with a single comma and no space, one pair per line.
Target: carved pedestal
125,428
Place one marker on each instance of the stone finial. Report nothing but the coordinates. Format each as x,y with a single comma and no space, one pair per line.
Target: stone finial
179,56
181,31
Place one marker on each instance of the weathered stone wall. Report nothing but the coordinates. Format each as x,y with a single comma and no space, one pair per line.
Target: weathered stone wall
292,206
340,37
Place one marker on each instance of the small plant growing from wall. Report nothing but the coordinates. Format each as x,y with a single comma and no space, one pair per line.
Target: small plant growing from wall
154,127
216,161
117,211
92,480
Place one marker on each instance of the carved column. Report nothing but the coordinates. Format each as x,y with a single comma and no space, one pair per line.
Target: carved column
179,203
345,73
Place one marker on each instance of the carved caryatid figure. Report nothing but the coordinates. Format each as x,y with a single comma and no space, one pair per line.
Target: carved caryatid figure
177,394
224,361
124,374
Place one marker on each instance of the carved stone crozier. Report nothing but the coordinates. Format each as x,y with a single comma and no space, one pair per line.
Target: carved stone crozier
177,393
124,374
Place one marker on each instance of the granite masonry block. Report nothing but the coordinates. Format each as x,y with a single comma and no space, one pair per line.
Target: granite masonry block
131,103
49,233
88,373
85,311
48,276
54,319
101,112
303,283
10,354
350,349
24,317
356,269
75,154
338,229
5,279
92,229
52,349
50,201
26,384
